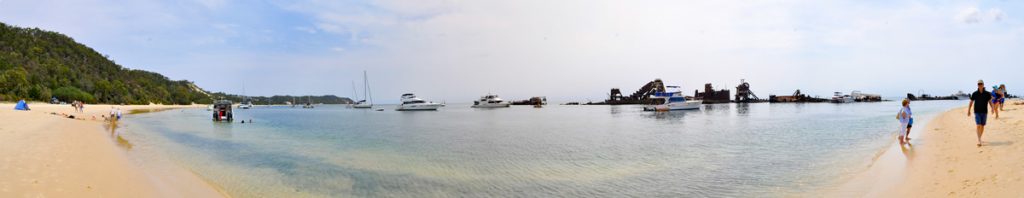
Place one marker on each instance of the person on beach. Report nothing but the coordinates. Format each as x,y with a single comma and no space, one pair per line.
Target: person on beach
995,101
1002,96
905,116
979,100
113,113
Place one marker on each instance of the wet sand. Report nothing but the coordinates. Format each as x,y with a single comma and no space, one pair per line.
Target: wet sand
943,160
45,154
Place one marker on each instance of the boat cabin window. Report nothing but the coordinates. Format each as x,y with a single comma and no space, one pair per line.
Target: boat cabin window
413,102
677,99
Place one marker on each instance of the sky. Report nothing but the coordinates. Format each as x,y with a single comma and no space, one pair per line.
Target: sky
567,50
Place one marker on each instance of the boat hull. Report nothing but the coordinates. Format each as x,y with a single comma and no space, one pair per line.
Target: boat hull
362,106
492,105
690,105
418,107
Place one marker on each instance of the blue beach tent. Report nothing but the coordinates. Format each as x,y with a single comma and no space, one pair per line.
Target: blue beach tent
21,106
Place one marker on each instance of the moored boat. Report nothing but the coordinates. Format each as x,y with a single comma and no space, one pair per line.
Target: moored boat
671,101
364,104
490,101
838,97
222,111
412,103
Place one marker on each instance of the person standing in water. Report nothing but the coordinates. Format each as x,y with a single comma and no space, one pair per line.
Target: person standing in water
979,100
905,116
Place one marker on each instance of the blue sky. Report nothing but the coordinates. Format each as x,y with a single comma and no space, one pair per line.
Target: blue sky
571,50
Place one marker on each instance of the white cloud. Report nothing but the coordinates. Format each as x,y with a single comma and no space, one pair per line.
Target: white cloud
996,14
212,4
306,30
973,15
568,50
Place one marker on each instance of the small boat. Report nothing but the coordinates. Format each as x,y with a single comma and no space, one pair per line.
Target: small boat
960,95
490,101
412,103
246,101
245,105
209,108
309,103
363,104
222,111
838,97
671,101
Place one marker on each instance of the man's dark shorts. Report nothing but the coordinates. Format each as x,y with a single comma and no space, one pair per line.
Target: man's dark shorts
980,118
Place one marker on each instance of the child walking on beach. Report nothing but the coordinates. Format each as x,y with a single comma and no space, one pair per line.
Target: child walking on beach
905,116
979,100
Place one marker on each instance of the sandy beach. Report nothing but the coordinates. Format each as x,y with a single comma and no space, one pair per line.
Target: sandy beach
46,154
943,160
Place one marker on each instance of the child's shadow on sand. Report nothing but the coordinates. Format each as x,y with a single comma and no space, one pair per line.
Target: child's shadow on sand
1000,143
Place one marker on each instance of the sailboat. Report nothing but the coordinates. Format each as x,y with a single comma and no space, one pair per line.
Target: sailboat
364,104
309,103
246,100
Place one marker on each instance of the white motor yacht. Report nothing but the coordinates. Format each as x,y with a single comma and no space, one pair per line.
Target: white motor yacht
490,101
671,101
412,103
838,97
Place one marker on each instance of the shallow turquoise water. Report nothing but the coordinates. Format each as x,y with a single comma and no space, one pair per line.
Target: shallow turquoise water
723,150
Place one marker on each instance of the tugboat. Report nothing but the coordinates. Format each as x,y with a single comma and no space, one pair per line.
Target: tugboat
671,101
412,103
222,111
490,101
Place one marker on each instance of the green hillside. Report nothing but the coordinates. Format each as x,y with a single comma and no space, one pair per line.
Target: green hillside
37,64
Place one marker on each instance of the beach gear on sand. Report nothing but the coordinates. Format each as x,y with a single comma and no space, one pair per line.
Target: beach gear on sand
21,106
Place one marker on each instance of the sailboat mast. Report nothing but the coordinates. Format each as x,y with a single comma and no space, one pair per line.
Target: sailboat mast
366,83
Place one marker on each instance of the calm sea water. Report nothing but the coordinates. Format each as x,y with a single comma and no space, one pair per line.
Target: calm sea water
723,150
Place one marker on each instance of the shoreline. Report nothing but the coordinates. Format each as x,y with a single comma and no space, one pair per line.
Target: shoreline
943,160
47,154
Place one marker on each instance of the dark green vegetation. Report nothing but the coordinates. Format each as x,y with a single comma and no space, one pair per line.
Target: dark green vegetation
38,64
263,100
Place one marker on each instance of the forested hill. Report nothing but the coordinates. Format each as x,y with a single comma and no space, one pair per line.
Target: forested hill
38,64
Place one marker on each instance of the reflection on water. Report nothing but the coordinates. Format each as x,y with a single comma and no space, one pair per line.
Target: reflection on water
742,108
670,115
908,152
758,149
115,134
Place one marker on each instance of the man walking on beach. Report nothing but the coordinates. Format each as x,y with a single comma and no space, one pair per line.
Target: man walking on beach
979,99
